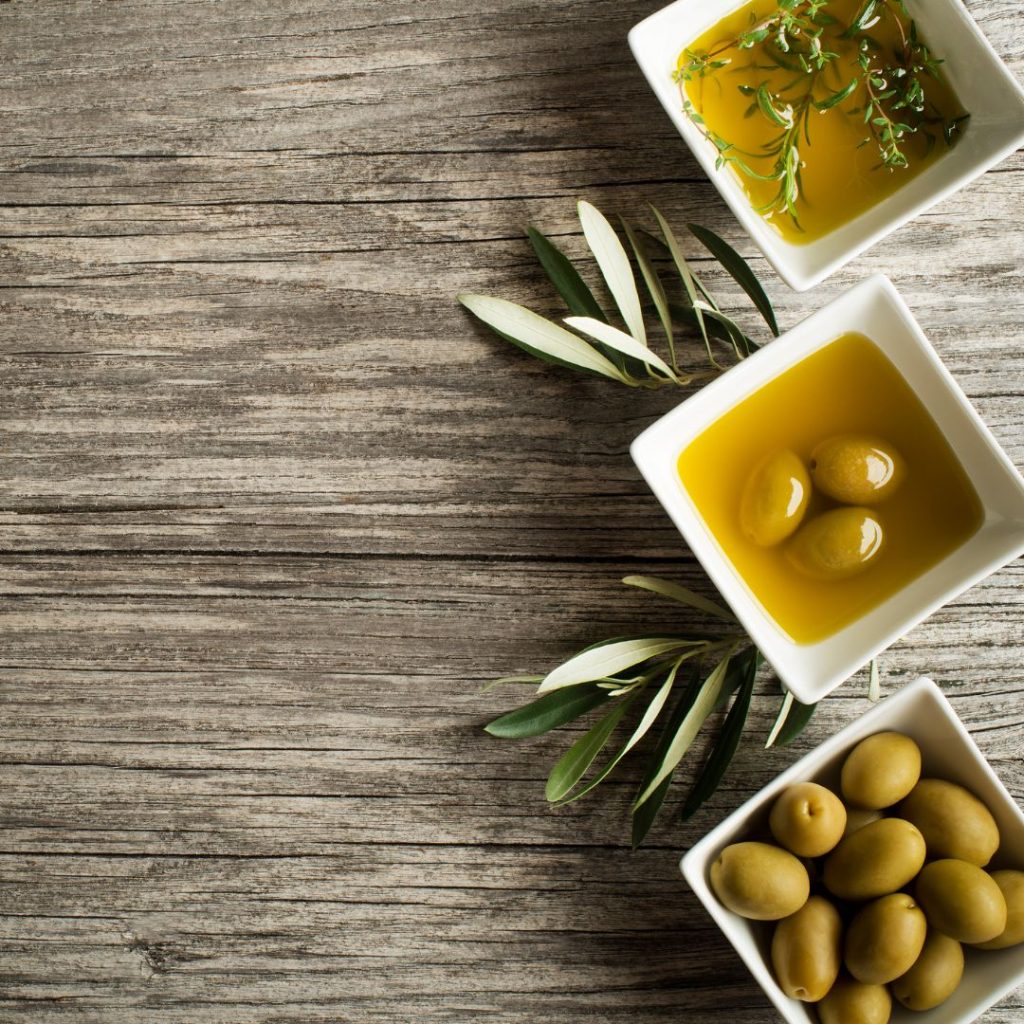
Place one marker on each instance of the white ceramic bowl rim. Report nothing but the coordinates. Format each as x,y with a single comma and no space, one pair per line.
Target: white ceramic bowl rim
874,309
984,84
921,711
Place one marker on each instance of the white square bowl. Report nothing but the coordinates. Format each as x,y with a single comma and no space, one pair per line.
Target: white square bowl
980,79
875,309
920,711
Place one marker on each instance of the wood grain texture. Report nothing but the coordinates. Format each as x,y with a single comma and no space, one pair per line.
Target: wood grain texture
274,508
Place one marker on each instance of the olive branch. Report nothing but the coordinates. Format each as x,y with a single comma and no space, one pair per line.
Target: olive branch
589,340
676,682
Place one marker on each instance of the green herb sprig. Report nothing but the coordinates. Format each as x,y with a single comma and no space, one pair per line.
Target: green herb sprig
794,38
588,339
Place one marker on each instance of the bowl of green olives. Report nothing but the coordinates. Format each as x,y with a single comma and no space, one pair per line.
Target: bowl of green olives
837,486
879,879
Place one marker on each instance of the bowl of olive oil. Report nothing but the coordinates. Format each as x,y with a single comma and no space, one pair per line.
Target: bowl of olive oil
837,486
826,124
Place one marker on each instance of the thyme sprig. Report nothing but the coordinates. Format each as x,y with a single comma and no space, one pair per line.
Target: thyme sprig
897,105
797,38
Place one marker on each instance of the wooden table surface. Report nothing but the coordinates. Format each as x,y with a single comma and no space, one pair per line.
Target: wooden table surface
274,509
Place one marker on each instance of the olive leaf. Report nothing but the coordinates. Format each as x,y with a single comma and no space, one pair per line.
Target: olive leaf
689,284
506,680
741,344
538,336
548,712
699,315
565,277
739,270
728,739
644,815
687,732
649,717
621,342
719,327
618,673
614,264
602,662
654,287
735,675
573,764
790,722
680,594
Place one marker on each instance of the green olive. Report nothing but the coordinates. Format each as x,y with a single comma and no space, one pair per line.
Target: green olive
856,469
961,900
935,974
884,939
881,770
760,881
775,498
953,821
877,859
1011,884
836,544
806,950
807,819
853,1002
857,818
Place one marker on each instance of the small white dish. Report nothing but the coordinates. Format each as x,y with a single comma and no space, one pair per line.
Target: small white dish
920,711
872,308
980,79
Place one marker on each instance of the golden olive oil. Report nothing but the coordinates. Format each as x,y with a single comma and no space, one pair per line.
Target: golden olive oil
848,386
839,177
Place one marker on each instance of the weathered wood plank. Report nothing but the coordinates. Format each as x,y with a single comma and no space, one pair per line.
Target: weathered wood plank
180,421
203,706
274,509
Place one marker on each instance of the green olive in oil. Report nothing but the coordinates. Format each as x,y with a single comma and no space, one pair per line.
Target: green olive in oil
813,587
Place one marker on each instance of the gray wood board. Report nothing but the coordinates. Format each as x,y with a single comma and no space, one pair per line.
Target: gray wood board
274,509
